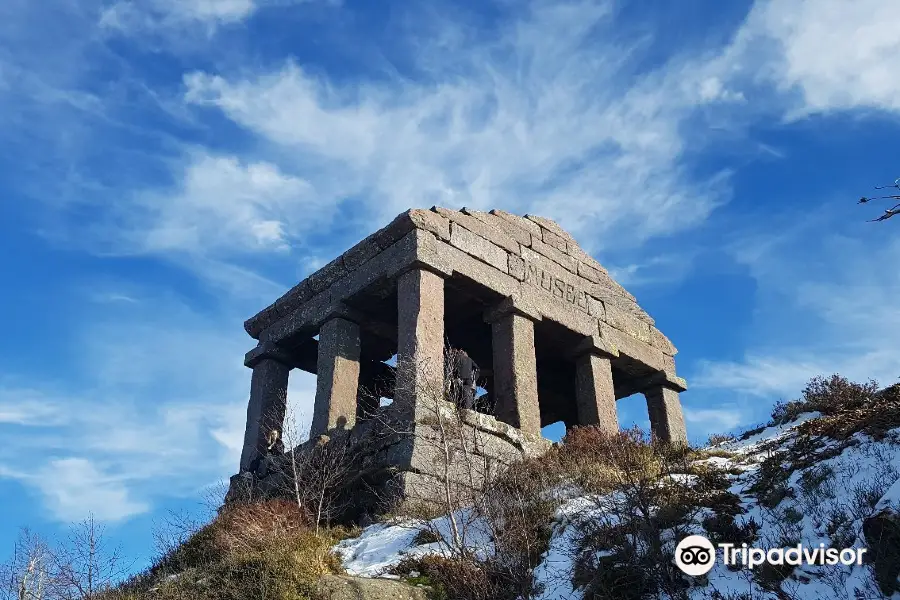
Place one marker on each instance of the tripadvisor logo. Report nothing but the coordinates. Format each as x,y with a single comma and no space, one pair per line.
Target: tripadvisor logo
695,555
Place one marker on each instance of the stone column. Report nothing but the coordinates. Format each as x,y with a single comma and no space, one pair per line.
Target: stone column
595,396
268,399
664,406
515,365
337,376
420,339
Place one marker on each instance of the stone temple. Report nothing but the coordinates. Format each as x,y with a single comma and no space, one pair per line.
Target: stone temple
556,337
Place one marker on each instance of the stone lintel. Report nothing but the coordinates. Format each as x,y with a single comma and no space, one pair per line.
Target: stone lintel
364,320
594,345
512,305
633,348
658,379
416,250
268,350
423,256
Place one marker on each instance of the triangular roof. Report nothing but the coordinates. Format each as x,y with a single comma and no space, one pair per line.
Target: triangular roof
505,241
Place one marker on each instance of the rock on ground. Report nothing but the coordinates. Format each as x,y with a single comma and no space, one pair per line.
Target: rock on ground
882,532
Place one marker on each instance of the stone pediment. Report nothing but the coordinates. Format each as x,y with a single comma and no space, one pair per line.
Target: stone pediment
527,256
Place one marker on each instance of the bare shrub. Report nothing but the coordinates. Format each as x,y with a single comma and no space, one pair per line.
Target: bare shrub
720,438
27,575
80,568
643,492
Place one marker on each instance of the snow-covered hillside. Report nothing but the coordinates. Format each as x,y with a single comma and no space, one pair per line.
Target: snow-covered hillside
786,484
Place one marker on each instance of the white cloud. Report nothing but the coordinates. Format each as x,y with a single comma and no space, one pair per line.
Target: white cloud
546,117
74,488
838,55
825,304
225,206
140,15
161,413
714,420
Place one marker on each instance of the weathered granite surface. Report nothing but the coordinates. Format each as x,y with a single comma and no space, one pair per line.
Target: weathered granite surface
523,279
531,255
395,460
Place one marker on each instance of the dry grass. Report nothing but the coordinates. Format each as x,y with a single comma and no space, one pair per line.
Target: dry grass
266,550
642,488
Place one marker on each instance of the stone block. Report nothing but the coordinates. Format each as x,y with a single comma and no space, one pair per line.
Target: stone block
610,298
666,417
267,350
514,231
322,279
296,296
478,247
560,258
516,304
564,314
596,308
360,254
594,344
661,342
668,363
553,240
520,222
515,373
337,376
266,408
632,347
380,266
258,323
495,235
553,226
516,267
628,323
344,587
588,272
551,279
476,270
307,317
594,393
420,338
406,222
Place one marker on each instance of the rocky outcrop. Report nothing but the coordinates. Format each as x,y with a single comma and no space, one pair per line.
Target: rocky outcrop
882,532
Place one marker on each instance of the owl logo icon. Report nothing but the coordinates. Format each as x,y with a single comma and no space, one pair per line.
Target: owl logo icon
695,555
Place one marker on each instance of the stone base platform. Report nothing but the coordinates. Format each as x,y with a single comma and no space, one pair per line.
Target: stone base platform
391,461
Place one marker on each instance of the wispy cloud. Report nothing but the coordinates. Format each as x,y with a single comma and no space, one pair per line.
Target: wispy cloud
540,116
714,420
150,16
825,304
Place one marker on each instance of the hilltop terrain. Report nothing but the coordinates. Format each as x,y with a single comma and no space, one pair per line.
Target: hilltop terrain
598,516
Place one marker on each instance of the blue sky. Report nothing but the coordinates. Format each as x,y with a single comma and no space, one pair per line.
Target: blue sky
168,167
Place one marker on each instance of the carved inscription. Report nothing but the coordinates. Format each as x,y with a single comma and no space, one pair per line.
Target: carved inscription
556,286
